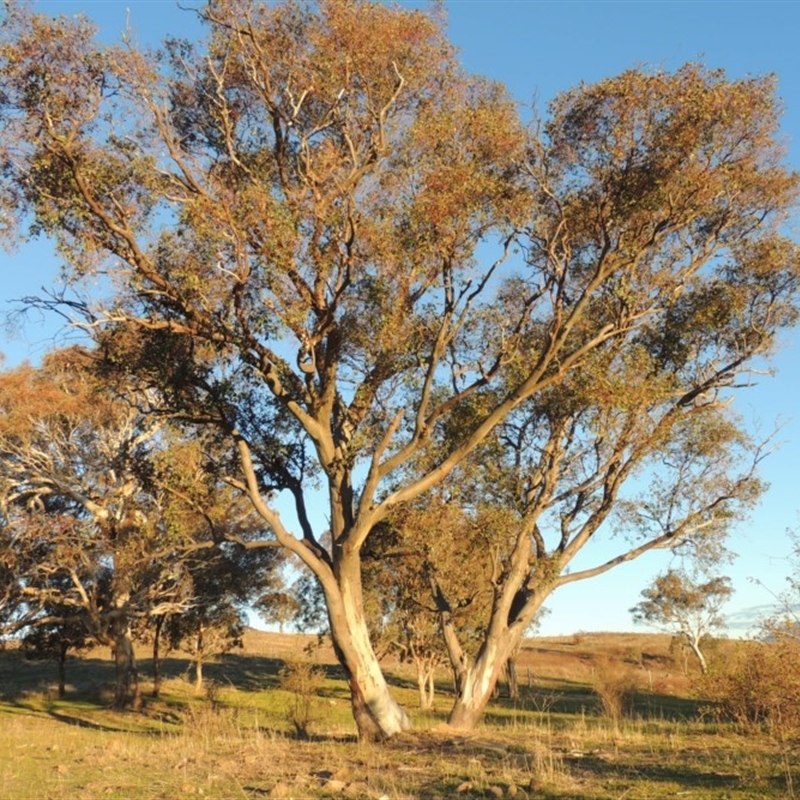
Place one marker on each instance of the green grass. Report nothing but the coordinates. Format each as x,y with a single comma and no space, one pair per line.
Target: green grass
236,741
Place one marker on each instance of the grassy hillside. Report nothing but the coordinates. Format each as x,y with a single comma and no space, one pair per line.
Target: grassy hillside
599,716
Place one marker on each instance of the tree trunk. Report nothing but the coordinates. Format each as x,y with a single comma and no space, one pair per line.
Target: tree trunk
475,692
425,685
422,689
128,693
701,659
376,713
477,680
198,662
157,656
512,679
63,648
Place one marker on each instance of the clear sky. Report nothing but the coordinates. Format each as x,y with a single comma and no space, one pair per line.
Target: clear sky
538,49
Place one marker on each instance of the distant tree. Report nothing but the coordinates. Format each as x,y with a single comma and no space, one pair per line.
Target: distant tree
226,582
207,632
685,607
280,604
72,461
403,619
104,508
55,641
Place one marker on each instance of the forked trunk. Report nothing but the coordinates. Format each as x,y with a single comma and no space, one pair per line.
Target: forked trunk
701,659
476,680
425,685
128,693
474,692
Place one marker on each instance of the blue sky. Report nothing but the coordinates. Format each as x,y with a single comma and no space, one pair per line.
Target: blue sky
538,49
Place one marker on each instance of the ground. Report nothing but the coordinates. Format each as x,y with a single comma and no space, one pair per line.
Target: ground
599,716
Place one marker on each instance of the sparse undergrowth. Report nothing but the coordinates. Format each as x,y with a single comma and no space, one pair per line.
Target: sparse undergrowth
240,741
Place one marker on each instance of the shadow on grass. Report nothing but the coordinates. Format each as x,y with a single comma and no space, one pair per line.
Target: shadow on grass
676,771
596,770
77,722
21,677
249,673
312,738
576,699
444,787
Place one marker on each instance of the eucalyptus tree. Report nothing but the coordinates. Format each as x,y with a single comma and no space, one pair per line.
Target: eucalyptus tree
686,607
55,640
226,582
71,492
292,208
617,453
105,509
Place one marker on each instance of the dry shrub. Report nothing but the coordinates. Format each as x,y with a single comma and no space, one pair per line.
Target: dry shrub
210,720
302,680
759,687
616,689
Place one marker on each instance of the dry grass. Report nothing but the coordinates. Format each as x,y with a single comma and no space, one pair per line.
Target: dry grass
236,741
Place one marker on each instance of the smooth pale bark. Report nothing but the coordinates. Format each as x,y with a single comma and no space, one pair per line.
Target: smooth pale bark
475,688
694,643
475,680
425,685
377,715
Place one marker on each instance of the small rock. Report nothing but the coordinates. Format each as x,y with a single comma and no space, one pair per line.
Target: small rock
463,787
496,791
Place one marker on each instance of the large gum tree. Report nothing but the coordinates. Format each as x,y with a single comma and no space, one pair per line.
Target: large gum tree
291,213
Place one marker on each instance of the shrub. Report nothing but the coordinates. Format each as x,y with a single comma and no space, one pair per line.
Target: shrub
302,680
760,687
616,690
